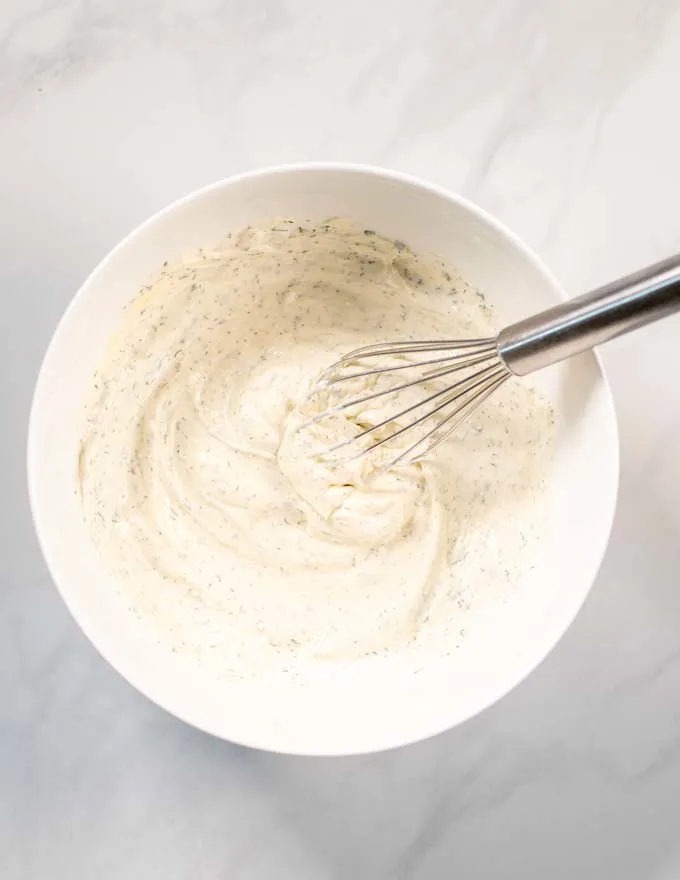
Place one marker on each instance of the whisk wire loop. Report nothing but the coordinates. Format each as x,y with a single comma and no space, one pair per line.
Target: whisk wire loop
478,359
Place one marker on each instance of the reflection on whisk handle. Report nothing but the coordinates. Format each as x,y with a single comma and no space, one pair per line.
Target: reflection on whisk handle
582,323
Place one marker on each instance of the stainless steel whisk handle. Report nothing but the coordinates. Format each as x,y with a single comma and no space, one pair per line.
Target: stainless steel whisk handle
589,320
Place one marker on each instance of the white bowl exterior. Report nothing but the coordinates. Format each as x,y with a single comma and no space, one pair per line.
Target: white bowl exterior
366,709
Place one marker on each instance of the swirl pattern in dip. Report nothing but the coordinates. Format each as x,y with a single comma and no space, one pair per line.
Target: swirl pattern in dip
203,490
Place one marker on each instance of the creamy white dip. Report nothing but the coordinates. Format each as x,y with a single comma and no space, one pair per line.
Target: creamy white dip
210,504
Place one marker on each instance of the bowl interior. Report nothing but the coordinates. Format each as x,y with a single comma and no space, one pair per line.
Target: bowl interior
369,708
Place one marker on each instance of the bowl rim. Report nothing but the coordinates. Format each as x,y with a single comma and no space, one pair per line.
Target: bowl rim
32,445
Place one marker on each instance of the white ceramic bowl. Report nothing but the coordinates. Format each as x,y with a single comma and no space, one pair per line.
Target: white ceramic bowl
351,712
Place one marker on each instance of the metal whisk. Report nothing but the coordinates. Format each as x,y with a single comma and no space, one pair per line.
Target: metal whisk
483,365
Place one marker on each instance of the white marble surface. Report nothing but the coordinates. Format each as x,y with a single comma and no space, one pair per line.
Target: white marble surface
562,118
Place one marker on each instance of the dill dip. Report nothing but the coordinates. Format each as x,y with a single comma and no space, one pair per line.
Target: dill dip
206,498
